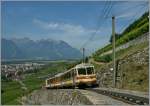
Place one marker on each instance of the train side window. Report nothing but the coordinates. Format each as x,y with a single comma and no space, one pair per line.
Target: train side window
67,76
81,71
90,70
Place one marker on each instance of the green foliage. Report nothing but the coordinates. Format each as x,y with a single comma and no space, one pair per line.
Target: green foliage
134,30
104,49
4,78
137,23
117,36
133,34
105,58
136,77
124,52
12,90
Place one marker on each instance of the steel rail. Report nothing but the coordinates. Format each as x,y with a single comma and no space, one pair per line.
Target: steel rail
122,96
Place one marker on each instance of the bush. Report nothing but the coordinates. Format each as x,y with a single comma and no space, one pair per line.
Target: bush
134,30
105,58
133,34
126,38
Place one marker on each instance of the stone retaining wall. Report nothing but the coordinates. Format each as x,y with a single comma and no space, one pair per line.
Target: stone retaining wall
132,71
138,40
56,97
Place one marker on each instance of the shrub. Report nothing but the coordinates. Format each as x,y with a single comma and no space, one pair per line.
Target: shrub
105,58
134,30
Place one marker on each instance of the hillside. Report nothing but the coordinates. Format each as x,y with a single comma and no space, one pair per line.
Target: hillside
134,30
10,50
13,90
42,49
132,64
132,69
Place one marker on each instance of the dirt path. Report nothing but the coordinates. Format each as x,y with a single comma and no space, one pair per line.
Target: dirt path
98,63
23,85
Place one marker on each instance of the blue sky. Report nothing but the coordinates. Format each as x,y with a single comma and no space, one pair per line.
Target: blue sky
73,22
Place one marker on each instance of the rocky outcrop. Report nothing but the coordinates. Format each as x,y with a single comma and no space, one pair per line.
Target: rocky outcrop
56,97
132,72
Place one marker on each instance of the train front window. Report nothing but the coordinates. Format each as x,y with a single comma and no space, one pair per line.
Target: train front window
90,70
81,71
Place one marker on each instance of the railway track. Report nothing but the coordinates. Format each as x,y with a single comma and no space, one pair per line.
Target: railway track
129,97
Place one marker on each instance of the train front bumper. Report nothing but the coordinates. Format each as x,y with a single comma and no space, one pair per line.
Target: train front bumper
86,80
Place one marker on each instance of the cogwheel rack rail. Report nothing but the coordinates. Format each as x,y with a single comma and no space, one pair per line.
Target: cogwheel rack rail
130,97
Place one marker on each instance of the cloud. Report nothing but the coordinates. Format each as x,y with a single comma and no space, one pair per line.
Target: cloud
68,28
65,30
75,35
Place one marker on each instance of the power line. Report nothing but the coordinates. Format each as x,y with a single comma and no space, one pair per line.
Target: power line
121,12
133,18
106,12
104,16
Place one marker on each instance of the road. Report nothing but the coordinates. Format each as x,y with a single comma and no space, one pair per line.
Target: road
95,62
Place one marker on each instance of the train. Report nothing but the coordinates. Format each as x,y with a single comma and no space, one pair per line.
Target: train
80,76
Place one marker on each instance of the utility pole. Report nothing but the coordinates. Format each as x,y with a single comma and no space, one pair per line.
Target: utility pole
114,60
83,54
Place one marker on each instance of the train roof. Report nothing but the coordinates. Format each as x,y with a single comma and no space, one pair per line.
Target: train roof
84,65
60,74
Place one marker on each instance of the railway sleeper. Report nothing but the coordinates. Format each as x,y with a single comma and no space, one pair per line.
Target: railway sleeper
127,97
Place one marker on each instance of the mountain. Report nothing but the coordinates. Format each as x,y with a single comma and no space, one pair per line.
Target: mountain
9,50
26,48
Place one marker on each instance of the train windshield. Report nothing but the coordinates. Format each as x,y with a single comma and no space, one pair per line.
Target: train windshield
86,71
90,70
81,71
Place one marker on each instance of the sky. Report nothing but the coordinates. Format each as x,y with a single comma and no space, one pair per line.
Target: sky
79,23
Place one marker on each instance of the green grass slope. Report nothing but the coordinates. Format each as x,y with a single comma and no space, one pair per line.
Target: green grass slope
12,91
137,28
135,73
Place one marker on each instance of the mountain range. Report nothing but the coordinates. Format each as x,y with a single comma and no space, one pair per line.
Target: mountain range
26,48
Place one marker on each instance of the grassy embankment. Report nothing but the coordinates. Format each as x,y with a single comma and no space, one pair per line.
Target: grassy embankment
135,76
12,91
137,28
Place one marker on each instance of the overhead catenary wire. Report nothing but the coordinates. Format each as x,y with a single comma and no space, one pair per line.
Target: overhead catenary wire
120,13
105,9
105,13
132,19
